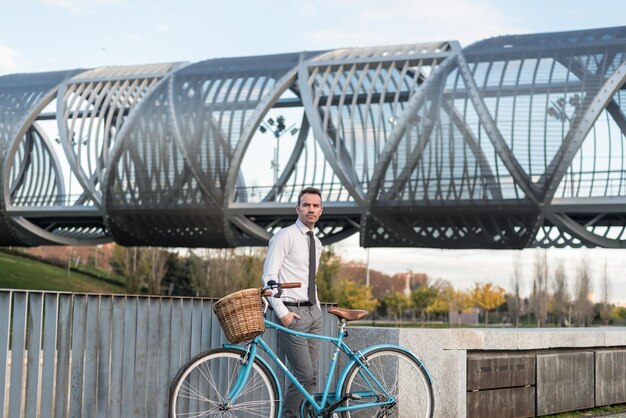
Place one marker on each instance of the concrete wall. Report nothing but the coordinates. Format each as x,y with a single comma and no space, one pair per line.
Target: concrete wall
445,352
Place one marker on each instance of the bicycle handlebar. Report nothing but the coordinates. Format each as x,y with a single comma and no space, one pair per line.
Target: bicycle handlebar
290,285
272,284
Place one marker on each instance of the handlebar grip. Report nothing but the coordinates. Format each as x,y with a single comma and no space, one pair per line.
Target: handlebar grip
290,285
267,293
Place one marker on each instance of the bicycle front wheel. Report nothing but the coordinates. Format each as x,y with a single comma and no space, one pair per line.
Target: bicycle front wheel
401,374
202,386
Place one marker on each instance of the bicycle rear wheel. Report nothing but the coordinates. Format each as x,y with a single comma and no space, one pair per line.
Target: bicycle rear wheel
401,374
201,387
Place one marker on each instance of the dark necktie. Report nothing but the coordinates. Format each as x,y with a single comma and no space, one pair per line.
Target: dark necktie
311,267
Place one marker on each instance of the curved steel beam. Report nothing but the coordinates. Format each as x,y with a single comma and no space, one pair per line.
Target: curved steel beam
124,132
584,122
415,155
494,134
341,164
404,120
247,134
251,228
491,180
569,225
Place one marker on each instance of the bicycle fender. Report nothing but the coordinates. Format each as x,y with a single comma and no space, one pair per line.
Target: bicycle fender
366,350
266,364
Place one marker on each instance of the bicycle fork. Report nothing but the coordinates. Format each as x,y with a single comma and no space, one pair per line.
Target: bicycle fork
244,372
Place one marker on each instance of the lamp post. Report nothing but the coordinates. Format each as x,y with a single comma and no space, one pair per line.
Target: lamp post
558,110
278,128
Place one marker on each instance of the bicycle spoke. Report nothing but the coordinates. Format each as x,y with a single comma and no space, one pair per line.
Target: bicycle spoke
402,378
202,387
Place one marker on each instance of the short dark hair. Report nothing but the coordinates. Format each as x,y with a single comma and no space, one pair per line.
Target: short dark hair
309,190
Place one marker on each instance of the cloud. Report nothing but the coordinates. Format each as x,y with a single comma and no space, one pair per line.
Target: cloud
10,60
405,21
162,27
78,6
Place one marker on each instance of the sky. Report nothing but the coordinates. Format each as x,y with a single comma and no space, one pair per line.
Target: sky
49,35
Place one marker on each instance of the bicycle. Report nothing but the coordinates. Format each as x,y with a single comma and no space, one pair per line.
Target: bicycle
235,381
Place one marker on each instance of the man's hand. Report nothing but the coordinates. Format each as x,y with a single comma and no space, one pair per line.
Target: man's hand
287,319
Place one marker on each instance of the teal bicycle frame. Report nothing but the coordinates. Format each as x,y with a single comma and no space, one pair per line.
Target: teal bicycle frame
328,403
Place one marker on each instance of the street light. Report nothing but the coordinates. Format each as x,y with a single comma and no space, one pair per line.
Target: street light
559,110
278,128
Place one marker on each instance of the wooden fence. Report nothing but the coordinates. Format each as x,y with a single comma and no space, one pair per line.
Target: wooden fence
109,356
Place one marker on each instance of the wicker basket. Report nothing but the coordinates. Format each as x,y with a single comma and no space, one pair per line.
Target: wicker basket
241,315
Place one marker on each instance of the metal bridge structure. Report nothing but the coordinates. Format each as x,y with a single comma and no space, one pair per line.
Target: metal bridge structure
511,142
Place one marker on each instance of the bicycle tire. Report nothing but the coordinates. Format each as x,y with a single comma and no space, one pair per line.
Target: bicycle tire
402,375
201,385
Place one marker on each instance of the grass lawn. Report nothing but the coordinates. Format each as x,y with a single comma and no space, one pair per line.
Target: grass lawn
23,273
594,412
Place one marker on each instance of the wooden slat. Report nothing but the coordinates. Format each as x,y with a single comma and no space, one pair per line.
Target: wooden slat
207,311
63,356
35,318
152,384
175,324
217,335
177,359
610,377
17,354
117,353
51,312
185,330
79,332
195,330
104,356
92,336
565,382
196,327
141,359
5,315
128,381
491,371
499,403
165,317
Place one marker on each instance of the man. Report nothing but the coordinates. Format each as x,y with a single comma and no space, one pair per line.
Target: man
290,259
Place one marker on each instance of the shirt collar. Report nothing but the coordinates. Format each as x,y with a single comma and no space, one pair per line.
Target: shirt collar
302,227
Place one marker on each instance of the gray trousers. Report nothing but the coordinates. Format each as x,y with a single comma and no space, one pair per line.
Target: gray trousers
303,356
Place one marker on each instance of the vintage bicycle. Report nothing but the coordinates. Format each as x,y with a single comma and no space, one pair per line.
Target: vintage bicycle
236,381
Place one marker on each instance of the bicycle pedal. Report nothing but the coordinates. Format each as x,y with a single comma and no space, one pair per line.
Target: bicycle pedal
355,397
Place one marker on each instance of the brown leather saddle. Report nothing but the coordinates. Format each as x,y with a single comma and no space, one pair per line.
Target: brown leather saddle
348,314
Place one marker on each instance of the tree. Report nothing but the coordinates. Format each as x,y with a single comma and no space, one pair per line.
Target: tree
177,278
583,308
540,289
218,272
157,259
327,273
443,301
354,295
132,264
605,308
515,302
561,295
396,303
488,297
422,297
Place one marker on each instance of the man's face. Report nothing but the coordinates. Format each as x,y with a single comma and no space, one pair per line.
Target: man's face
310,209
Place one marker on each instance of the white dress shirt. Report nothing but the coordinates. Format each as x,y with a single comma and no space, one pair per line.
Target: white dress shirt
288,261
